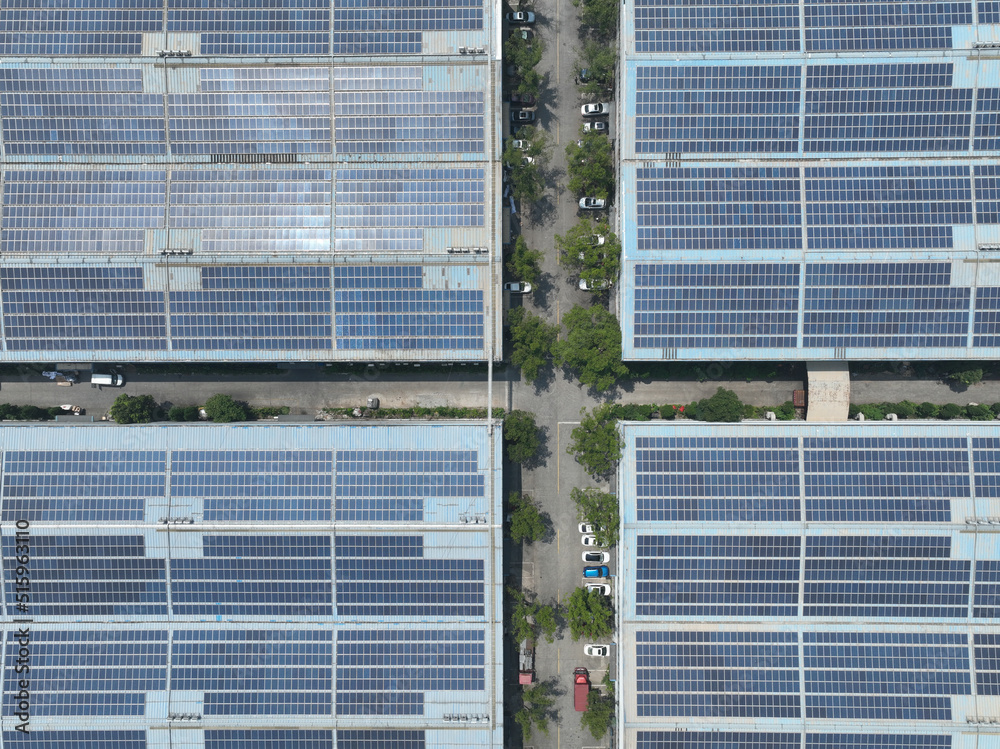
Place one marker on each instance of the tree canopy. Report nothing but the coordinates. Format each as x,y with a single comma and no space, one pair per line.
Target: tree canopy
594,262
601,63
591,166
529,619
520,434
532,340
133,409
222,408
725,405
589,614
523,263
536,702
600,713
522,53
600,16
596,443
600,509
592,347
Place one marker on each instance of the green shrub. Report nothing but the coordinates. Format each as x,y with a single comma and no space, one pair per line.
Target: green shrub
33,413
265,412
995,408
872,411
905,409
949,411
176,413
979,413
785,412
667,411
635,412
56,411
138,409
191,413
927,410
223,409
725,405
967,376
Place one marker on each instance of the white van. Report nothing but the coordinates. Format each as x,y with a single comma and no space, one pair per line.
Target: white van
112,380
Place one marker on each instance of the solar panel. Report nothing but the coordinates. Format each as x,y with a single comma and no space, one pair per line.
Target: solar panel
84,28
253,27
392,27
666,26
760,740
428,198
77,739
717,109
847,25
368,739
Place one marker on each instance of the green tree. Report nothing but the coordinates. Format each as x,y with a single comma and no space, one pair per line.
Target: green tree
589,614
600,61
594,262
529,618
967,376
526,522
590,165
523,262
592,347
536,702
34,413
596,443
532,341
527,181
191,413
927,410
520,434
529,81
949,411
600,509
601,16
979,413
223,409
138,409
725,405
538,144
522,53
600,714
176,413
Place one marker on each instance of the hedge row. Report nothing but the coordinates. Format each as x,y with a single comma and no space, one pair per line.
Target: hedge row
9,412
910,410
669,411
417,412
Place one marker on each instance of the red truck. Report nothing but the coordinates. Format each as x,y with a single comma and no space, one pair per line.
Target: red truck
581,688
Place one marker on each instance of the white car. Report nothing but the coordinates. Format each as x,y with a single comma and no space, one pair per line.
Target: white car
600,285
587,528
593,204
595,110
521,16
521,145
517,287
596,557
528,160
603,588
597,651
595,127
589,540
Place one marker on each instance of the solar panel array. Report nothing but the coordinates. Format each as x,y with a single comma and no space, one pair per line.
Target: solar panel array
784,573
240,308
672,26
299,629
240,27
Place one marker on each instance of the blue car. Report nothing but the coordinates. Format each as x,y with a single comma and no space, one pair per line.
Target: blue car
601,571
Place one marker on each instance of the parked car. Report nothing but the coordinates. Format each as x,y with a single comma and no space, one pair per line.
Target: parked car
528,160
517,287
521,145
521,16
599,571
522,100
527,34
587,528
592,204
595,240
584,75
597,651
522,115
601,284
595,127
596,557
603,588
595,110
589,540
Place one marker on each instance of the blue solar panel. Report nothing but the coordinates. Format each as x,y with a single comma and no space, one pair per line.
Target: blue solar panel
254,210
282,738
428,198
717,109
87,672
89,211
81,309
387,672
78,486
78,739
389,577
385,739
715,26
697,576
82,28
989,11
847,25
986,594
275,576
716,479
391,485
394,27
870,305
254,307
254,27
715,740
716,305
107,576
387,308
723,209
987,654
